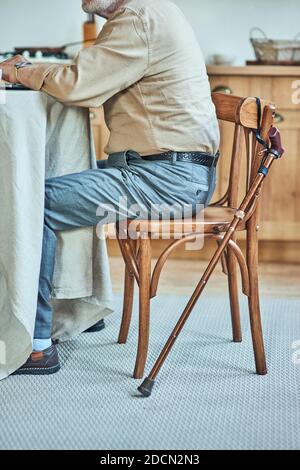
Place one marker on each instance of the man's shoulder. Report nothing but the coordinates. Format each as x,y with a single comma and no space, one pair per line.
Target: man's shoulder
141,7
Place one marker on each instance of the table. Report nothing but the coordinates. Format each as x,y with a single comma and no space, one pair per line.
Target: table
41,138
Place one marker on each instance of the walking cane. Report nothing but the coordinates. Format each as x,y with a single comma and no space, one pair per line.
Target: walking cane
274,152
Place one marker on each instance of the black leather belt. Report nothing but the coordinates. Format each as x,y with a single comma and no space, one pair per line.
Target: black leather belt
200,158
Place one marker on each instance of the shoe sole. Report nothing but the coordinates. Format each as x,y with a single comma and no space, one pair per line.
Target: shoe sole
37,370
95,329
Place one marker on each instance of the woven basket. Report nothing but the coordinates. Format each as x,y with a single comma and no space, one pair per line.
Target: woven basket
275,50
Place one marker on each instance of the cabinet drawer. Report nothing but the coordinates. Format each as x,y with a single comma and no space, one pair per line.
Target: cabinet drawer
287,119
244,86
284,92
229,84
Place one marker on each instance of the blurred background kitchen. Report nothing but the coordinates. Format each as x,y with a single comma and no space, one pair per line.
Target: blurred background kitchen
222,27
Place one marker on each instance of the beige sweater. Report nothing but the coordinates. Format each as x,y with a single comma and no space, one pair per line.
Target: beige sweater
147,69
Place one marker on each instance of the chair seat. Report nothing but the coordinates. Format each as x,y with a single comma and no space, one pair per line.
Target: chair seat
213,219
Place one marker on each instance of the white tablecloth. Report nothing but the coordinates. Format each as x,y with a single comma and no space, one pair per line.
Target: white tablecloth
40,138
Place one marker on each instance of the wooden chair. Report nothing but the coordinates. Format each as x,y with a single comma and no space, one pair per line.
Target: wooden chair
135,239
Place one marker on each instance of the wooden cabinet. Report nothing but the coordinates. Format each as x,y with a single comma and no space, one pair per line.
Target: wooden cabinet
100,131
280,213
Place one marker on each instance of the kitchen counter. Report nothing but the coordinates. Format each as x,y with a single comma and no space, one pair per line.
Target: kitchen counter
255,70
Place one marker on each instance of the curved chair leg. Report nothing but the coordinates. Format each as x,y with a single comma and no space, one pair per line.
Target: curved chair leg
234,297
144,306
127,306
254,307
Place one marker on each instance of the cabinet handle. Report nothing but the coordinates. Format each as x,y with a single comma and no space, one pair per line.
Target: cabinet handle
223,89
278,118
92,115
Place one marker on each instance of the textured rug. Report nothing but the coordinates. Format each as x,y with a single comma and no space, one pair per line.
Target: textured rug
207,396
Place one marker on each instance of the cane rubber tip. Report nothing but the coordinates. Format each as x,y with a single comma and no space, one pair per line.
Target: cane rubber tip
146,387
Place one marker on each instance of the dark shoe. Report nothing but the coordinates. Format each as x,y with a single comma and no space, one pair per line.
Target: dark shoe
41,363
100,325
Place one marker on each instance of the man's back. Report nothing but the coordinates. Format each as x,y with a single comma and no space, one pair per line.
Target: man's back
147,68
170,107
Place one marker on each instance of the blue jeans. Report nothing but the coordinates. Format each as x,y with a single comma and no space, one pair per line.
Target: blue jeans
98,196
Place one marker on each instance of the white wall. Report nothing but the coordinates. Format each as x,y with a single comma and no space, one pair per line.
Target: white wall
40,23
222,26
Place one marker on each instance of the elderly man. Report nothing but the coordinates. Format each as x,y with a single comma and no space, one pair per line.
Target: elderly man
148,71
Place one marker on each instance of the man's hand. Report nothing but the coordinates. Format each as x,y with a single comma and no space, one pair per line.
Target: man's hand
8,68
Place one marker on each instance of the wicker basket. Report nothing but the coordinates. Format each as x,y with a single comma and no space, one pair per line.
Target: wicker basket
271,50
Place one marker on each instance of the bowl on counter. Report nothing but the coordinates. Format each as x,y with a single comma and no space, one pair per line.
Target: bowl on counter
222,59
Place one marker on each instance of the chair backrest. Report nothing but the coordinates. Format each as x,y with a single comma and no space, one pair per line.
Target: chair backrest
243,114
